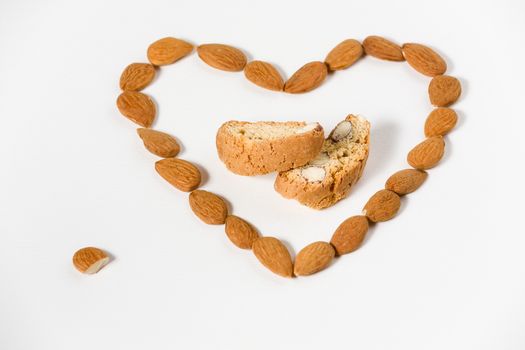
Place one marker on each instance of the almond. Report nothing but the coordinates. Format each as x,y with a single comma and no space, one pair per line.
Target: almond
307,78
382,48
427,154
382,206
209,207
264,75
444,90
342,131
406,181
313,258
240,232
344,55
137,107
222,57
137,76
180,173
168,50
423,59
350,234
159,143
440,121
272,253
320,160
313,173
90,260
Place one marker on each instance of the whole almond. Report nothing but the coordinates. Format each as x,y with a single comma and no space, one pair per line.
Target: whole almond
313,258
307,78
240,232
272,253
209,207
344,55
264,75
440,121
427,154
180,173
406,181
382,48
223,57
382,206
423,59
90,260
159,143
137,107
168,50
350,234
444,90
137,76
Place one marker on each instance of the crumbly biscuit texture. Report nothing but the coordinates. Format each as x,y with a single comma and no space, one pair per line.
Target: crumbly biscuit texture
256,148
328,178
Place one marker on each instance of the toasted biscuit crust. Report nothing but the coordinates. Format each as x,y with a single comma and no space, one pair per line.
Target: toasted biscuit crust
248,156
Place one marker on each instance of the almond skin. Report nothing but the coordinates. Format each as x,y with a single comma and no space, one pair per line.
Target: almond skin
440,121
90,260
180,173
444,90
168,50
406,181
137,107
423,59
240,232
313,258
272,253
382,206
223,57
159,143
344,55
350,234
264,75
137,76
427,154
382,48
209,207
307,78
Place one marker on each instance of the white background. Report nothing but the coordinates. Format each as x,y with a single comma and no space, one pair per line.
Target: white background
447,273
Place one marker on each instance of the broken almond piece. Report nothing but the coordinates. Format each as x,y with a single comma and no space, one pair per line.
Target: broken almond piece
90,260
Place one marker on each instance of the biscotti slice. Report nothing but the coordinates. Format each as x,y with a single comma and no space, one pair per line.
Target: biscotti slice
327,179
256,148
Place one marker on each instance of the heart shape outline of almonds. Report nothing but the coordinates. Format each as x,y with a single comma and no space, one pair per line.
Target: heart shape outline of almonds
212,209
